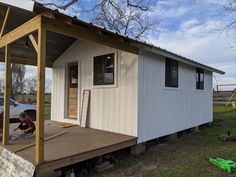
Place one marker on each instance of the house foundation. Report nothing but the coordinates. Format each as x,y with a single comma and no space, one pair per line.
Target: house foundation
138,149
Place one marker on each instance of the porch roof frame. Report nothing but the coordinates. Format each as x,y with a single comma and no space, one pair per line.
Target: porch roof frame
58,26
6,40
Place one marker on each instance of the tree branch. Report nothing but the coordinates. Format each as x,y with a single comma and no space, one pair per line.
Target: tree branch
63,7
138,5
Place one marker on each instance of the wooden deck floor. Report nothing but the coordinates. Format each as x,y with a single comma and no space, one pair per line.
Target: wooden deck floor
77,145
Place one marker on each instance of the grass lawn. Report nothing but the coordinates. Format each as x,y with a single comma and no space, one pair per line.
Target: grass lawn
47,110
185,156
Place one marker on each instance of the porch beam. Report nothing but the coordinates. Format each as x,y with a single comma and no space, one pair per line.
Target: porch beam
34,43
7,95
41,61
25,61
5,21
21,31
87,34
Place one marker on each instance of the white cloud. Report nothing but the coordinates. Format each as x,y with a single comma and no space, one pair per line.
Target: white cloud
168,13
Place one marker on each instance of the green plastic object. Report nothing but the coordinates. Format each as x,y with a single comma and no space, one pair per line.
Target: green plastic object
226,165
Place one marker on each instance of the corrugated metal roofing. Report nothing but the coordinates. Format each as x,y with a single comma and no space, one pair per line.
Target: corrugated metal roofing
23,4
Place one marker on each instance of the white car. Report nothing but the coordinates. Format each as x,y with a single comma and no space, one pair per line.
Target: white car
16,108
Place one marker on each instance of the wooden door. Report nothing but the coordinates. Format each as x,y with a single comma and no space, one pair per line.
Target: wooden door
72,110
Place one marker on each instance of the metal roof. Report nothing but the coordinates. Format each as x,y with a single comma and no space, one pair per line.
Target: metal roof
23,4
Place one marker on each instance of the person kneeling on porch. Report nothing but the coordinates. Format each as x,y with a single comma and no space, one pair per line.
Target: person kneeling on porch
26,124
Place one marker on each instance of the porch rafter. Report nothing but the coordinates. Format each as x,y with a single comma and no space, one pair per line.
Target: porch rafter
79,32
21,31
5,21
34,42
25,61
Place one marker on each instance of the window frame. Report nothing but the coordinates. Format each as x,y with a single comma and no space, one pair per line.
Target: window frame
169,83
198,81
114,84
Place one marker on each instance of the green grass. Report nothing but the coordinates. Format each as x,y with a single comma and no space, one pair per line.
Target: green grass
186,156
47,111
222,108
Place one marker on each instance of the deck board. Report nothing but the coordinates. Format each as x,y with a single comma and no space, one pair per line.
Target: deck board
77,145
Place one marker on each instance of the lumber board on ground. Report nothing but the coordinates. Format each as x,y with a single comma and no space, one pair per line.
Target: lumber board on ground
46,139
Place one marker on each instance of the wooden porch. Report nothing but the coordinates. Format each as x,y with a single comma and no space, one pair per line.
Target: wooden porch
75,145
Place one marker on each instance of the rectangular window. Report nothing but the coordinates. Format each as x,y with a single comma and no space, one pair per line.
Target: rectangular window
199,79
103,69
171,77
73,75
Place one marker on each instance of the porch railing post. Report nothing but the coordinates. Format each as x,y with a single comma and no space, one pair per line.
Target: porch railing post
41,60
7,95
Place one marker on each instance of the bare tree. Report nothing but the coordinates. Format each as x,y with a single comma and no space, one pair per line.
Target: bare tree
127,17
30,86
18,74
230,10
124,17
1,86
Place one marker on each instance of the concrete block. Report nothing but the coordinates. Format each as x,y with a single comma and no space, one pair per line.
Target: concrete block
196,129
138,149
210,124
174,136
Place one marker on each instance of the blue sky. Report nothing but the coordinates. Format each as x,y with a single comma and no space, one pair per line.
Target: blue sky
192,28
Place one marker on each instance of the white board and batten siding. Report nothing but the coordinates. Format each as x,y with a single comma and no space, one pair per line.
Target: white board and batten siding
163,111
111,108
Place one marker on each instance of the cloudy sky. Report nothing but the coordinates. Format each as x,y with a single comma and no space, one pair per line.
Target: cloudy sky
194,29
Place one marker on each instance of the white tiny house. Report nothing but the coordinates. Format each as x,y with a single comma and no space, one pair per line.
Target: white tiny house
135,91
146,95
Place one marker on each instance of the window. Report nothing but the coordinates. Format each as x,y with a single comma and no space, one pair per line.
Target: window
199,79
73,75
171,77
103,69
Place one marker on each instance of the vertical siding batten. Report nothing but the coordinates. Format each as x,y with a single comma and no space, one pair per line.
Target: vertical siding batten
163,111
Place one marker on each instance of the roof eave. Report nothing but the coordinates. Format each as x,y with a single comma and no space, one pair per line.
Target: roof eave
179,58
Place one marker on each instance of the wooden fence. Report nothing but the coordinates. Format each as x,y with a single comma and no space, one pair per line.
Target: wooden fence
222,96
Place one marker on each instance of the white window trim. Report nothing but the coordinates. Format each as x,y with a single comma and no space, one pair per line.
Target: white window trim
115,73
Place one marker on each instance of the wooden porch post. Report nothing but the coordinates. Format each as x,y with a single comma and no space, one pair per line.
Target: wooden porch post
41,60
7,95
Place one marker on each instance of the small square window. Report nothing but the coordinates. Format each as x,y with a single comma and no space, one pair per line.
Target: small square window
171,73
103,69
199,79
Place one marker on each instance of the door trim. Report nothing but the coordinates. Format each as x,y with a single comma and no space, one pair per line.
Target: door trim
68,64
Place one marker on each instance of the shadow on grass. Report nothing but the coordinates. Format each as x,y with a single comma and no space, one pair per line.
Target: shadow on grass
186,156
